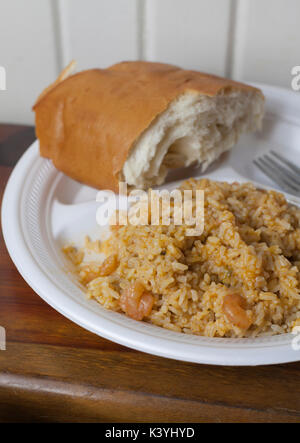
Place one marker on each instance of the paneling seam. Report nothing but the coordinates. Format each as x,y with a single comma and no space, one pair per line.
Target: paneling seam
61,32
231,38
141,29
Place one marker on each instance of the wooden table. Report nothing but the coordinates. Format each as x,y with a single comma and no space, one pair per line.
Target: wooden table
53,370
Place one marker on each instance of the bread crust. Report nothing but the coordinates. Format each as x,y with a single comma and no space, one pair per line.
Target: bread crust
88,123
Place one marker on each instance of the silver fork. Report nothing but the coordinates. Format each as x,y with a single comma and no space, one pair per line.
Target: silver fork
280,170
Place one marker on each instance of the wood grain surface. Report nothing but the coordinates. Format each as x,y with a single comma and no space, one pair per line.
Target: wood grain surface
53,370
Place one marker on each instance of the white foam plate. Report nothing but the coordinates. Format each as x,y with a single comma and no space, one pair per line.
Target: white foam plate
43,210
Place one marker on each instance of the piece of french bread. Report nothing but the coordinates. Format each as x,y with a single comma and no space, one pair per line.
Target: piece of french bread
135,120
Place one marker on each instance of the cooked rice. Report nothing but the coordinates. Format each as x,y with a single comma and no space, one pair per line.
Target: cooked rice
250,246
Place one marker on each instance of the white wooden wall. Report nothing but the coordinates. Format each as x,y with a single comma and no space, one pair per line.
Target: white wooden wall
255,40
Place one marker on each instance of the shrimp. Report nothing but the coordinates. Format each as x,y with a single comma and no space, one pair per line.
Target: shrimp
109,265
136,302
89,272
234,309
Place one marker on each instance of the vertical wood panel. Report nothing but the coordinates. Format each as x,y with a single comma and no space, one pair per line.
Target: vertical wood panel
192,33
267,40
28,53
103,32
37,38
258,41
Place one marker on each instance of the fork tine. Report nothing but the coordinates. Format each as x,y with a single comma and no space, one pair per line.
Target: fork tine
268,173
278,172
273,176
288,173
293,167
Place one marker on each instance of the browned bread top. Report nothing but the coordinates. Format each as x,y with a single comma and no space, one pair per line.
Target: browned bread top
88,123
